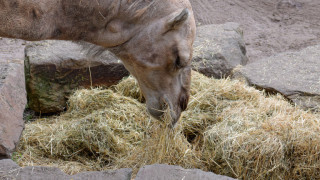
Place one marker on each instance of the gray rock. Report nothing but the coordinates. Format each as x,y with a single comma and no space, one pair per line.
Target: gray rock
218,49
296,75
10,170
56,68
167,172
120,174
7,165
12,95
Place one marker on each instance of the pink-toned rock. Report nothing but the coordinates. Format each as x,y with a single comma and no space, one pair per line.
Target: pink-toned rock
12,95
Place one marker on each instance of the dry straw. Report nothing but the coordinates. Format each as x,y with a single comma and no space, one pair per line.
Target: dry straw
228,128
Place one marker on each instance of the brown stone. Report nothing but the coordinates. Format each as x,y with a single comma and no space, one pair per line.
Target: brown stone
54,69
12,95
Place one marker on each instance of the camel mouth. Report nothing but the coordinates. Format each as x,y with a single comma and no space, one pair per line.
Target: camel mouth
166,112
156,113
159,110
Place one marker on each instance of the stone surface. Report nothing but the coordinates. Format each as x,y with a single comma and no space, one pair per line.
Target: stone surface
6,166
167,172
10,170
296,75
218,49
12,94
120,174
56,68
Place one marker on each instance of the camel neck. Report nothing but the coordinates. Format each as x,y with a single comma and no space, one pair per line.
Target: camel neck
107,23
58,19
28,19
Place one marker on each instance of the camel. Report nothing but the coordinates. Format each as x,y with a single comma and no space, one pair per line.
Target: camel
153,38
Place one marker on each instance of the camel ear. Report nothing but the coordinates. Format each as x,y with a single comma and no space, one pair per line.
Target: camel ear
178,20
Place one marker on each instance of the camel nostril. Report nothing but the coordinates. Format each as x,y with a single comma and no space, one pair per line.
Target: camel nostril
184,99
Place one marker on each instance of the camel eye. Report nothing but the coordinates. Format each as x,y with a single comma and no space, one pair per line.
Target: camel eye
178,62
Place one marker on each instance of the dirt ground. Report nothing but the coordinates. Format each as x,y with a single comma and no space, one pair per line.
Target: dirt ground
270,26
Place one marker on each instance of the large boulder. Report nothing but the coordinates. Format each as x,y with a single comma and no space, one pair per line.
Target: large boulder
218,49
162,171
56,68
10,170
296,75
12,95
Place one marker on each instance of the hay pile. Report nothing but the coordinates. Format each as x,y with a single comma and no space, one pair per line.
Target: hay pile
228,128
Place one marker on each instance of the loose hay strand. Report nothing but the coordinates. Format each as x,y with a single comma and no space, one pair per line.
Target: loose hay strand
228,128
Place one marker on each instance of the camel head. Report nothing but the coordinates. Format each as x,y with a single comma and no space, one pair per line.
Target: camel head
159,56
